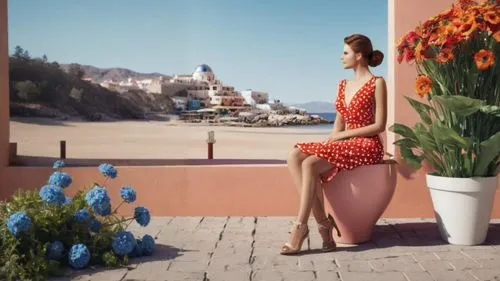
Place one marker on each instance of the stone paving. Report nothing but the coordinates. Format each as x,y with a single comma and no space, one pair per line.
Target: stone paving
247,249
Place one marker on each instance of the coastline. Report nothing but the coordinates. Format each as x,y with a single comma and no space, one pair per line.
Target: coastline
150,139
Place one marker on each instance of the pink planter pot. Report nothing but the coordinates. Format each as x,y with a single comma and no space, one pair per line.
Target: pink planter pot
356,199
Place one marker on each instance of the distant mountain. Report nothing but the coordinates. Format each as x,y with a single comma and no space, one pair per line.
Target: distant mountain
115,73
42,89
317,107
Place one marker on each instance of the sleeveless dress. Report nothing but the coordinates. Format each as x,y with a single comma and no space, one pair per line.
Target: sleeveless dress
348,154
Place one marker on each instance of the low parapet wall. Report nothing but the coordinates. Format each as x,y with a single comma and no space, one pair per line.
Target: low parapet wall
215,190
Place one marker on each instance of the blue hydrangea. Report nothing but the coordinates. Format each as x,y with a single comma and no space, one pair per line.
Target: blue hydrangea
60,179
58,164
108,170
67,200
95,225
99,200
142,216
137,252
19,222
55,250
52,194
103,210
79,256
128,194
148,245
82,215
123,243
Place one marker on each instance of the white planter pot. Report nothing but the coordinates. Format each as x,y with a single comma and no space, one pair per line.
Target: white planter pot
462,207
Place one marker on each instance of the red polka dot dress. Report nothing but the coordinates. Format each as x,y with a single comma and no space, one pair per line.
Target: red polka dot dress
350,153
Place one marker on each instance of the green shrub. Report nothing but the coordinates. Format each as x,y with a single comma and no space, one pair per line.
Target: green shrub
44,231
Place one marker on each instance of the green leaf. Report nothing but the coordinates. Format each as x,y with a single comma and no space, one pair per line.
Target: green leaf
425,138
490,150
491,109
410,158
468,163
460,105
403,130
422,109
447,137
407,143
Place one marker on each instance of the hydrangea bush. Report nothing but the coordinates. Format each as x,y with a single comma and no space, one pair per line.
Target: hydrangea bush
44,231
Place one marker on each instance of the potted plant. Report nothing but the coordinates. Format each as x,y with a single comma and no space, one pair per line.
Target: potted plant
458,135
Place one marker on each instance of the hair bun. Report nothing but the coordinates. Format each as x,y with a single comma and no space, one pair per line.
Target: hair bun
375,58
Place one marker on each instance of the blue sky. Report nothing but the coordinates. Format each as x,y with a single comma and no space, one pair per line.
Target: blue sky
290,49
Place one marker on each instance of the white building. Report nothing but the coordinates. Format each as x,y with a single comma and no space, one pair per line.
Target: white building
111,85
180,103
255,97
202,85
205,87
154,86
129,84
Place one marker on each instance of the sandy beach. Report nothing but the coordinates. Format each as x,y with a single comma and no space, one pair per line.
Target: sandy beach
155,139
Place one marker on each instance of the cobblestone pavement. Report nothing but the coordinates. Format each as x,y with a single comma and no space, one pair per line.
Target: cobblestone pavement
247,248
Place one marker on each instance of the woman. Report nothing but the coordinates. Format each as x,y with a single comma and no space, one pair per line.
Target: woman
354,141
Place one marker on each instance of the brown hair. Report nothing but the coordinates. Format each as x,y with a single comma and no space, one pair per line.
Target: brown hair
361,44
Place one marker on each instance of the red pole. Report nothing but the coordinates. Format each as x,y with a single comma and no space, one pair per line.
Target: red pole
210,150
62,149
210,142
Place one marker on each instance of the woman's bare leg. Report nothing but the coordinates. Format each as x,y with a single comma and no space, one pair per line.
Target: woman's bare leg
294,161
312,168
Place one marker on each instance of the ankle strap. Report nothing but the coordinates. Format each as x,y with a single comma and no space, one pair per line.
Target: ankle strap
299,224
323,220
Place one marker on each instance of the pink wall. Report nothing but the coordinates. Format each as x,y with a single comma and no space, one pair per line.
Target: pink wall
403,17
234,190
256,190
184,190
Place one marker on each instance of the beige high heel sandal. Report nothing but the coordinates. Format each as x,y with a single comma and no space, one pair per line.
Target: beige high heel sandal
299,234
326,232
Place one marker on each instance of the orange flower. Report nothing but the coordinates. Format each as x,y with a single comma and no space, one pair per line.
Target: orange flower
432,33
412,38
402,43
429,23
451,41
419,51
437,36
408,55
446,55
444,14
423,85
467,27
400,57
484,59
492,17
476,11
466,3
464,21
496,35
450,29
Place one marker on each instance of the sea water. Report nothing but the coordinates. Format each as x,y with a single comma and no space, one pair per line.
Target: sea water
327,116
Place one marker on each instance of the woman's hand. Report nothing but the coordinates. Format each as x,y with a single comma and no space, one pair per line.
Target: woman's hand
335,137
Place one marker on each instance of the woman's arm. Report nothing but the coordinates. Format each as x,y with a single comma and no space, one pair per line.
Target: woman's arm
338,126
380,116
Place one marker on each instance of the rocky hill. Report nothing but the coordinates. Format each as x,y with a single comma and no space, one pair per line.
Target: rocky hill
42,89
116,73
